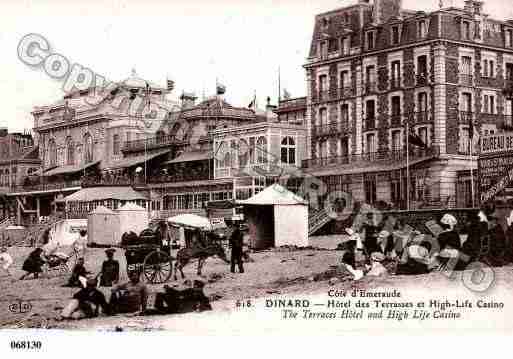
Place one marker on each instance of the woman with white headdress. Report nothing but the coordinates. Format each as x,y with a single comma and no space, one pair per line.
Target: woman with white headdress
449,239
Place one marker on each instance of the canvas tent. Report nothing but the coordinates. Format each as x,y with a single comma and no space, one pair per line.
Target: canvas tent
276,217
103,227
133,218
65,232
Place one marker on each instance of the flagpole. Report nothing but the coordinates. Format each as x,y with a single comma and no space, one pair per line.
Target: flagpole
407,167
279,85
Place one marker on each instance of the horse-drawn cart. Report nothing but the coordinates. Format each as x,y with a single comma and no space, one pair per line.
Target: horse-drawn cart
149,256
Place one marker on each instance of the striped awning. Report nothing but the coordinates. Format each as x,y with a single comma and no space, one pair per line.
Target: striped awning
104,193
61,170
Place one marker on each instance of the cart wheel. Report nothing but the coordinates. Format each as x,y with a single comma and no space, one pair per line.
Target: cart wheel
157,267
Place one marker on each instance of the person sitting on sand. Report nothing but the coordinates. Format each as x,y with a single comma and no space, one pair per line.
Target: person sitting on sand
78,276
33,264
173,301
129,297
416,259
86,303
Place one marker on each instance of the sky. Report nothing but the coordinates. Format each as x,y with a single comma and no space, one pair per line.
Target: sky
193,42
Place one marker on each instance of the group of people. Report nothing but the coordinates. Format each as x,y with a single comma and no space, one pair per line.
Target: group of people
449,245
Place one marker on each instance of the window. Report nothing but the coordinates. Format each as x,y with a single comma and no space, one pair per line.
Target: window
323,86
52,153
243,153
115,144
396,73
345,45
344,115
396,105
395,35
344,79
370,112
395,190
423,134
466,102
488,68
369,39
466,30
422,29
262,149
323,48
489,104
466,65
288,150
396,140
509,71
70,152
323,116
344,147
464,140
370,143
128,136
370,74
422,67
508,38
422,102
88,148
369,184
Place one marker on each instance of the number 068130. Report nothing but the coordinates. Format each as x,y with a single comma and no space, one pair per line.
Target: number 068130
26,345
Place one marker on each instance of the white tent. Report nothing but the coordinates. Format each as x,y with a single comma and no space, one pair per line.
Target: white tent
103,227
190,220
133,218
65,232
276,217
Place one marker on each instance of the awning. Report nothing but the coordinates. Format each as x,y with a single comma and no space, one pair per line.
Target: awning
191,221
132,161
191,156
68,169
104,193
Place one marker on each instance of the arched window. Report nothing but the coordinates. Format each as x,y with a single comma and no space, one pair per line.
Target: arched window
88,148
115,144
262,150
70,151
288,150
52,153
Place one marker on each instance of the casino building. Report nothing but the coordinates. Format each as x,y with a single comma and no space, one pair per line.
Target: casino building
376,69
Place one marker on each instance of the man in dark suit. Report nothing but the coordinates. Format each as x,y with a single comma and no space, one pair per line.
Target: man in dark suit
236,241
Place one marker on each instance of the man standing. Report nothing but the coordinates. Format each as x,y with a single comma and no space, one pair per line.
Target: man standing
5,260
236,241
129,297
80,245
110,270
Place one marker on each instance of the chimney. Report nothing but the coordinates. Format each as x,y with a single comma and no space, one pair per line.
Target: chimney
384,10
269,110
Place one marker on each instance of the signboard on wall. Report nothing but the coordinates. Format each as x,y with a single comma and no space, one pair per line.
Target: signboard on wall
495,165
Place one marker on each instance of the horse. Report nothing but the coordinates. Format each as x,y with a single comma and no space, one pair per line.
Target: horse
185,255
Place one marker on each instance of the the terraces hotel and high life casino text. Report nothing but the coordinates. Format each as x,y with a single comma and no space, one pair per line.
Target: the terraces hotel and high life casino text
375,72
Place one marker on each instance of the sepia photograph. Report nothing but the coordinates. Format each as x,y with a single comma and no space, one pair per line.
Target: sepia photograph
288,166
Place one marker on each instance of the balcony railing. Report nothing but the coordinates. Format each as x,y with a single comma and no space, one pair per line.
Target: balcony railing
396,120
323,95
508,122
346,91
466,80
395,82
292,103
369,124
30,187
369,87
331,128
380,158
421,117
149,143
422,79
465,117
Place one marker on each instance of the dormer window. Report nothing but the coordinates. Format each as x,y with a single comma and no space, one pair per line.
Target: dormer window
370,40
395,34
323,49
422,29
345,45
508,38
465,32
325,22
